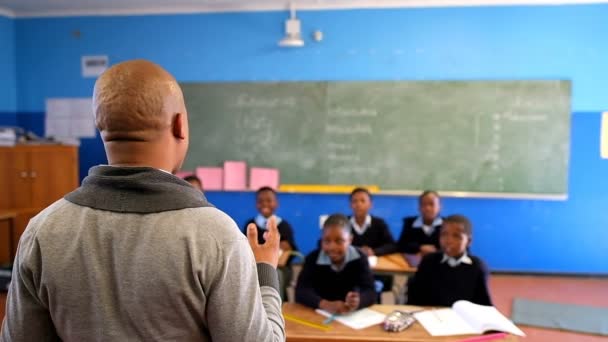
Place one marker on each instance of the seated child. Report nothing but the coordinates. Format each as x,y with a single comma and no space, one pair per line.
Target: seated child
370,233
420,234
337,277
266,202
194,181
451,275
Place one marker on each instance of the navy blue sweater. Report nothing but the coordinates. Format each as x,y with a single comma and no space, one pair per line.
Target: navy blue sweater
318,282
412,238
439,284
377,236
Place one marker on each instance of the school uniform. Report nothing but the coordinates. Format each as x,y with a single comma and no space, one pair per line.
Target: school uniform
442,280
374,233
415,233
320,279
286,232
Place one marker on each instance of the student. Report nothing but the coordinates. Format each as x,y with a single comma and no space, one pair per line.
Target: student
420,234
194,181
336,278
370,233
136,253
452,274
267,203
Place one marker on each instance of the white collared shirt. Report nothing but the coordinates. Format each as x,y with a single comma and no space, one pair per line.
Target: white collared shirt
427,229
262,221
360,230
351,254
453,262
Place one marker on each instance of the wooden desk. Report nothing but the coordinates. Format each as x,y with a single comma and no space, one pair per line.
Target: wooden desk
297,332
10,216
393,264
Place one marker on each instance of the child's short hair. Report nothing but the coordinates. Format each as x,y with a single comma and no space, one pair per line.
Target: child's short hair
460,219
191,178
264,189
337,220
359,189
426,193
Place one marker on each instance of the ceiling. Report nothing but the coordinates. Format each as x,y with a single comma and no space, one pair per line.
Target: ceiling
36,8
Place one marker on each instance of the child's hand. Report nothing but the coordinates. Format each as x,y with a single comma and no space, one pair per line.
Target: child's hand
269,251
352,300
335,306
367,250
427,249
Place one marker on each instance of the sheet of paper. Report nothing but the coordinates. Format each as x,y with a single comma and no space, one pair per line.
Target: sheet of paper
235,175
259,177
69,118
359,319
444,322
485,318
373,260
212,178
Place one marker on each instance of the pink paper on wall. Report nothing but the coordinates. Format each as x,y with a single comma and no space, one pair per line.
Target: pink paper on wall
182,174
211,177
259,177
235,175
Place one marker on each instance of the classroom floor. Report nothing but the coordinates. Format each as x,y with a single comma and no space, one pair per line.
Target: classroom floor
585,291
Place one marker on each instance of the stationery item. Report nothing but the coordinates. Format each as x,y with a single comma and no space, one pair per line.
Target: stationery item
484,338
398,321
359,319
235,175
211,177
305,322
465,318
329,319
260,177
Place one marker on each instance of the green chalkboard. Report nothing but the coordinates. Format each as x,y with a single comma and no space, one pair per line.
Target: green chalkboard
462,136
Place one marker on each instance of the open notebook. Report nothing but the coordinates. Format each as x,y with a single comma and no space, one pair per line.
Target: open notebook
465,318
359,319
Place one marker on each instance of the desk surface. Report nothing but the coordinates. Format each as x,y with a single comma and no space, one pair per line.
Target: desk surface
395,263
297,332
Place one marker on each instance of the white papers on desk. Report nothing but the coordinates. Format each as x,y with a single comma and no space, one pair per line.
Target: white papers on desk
373,260
359,319
69,118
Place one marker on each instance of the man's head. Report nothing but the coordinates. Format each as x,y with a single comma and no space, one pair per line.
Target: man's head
140,113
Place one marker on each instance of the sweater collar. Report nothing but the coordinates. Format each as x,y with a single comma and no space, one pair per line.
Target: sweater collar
135,190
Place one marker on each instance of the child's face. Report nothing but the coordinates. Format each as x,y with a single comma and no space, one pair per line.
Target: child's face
335,243
360,203
266,203
453,239
429,207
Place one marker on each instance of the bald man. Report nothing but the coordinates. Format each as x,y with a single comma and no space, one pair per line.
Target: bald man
135,253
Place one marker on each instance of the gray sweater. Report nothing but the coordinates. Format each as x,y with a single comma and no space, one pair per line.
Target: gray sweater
136,254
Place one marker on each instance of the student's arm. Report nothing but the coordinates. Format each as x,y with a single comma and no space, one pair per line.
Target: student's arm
287,235
365,283
387,239
482,294
407,240
418,287
27,316
305,291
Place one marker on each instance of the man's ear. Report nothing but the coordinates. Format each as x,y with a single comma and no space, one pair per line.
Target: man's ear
178,126
470,241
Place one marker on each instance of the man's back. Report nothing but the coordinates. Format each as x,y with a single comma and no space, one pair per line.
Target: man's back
137,262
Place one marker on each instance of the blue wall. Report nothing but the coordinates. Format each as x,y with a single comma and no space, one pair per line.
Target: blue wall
565,42
8,86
